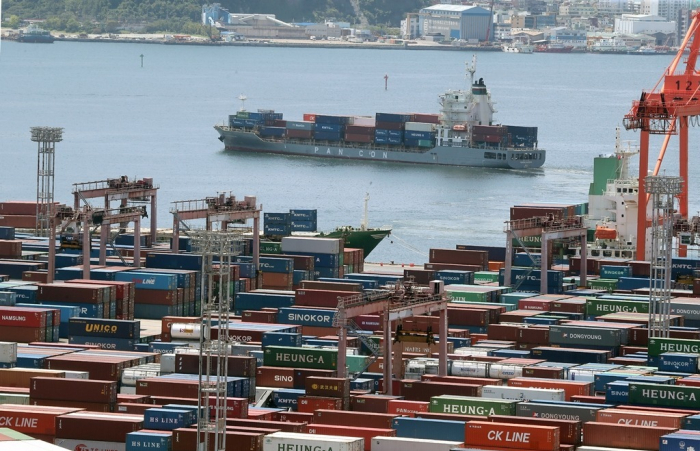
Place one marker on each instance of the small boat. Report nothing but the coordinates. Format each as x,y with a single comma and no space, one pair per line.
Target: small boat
553,47
518,47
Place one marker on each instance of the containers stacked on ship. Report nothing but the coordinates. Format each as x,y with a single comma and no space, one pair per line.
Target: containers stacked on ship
490,135
390,128
419,134
522,136
300,129
330,128
360,133
250,119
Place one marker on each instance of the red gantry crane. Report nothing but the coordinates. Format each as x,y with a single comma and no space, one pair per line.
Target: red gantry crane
666,111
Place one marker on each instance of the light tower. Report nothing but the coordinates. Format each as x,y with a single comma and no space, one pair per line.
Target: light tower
663,191
46,137
217,249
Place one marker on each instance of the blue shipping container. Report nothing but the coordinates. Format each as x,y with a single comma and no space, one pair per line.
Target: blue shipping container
328,136
148,441
333,128
270,264
166,419
277,218
113,344
304,226
306,316
304,215
429,429
148,281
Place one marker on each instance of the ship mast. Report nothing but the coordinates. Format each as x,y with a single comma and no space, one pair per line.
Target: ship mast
365,221
471,69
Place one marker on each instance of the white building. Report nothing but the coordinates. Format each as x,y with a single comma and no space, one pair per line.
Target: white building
668,9
457,22
643,24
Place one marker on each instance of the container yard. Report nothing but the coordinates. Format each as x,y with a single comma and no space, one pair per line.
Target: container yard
219,340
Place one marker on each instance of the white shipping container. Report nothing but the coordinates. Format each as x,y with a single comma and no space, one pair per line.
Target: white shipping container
522,393
124,390
29,445
91,445
8,352
500,371
133,374
411,444
471,351
14,398
293,440
77,375
363,121
167,363
470,369
311,244
419,126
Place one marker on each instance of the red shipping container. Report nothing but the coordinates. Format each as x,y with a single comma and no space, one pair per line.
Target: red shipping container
318,298
571,388
357,138
19,221
284,426
30,419
569,430
168,321
19,207
332,387
351,431
620,435
22,317
511,436
108,427
73,389
407,408
235,407
543,372
256,316
77,405
313,403
276,377
297,417
157,297
640,418
10,249
354,419
185,439
22,334
535,304
427,118
453,266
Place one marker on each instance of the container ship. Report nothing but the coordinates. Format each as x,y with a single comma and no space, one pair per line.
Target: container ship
463,134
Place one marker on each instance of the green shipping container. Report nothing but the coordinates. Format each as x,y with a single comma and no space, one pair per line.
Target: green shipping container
663,395
292,357
356,363
270,247
486,276
466,296
603,284
658,346
425,143
466,405
598,307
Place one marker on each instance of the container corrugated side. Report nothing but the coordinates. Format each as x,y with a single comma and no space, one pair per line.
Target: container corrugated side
293,441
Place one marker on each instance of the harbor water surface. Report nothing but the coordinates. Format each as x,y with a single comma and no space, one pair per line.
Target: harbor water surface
157,121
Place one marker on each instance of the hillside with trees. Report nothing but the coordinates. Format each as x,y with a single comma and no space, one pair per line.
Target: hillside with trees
183,16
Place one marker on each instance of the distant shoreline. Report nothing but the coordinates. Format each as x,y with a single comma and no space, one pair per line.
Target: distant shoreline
160,39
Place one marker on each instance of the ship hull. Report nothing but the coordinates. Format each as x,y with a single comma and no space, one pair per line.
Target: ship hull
366,240
247,141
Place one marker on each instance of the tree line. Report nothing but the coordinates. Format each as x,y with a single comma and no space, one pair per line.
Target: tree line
184,16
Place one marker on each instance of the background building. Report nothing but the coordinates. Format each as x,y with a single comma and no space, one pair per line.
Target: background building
456,22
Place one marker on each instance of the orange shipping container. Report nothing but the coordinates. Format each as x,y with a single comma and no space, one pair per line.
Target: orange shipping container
638,418
571,388
407,408
351,431
511,436
623,436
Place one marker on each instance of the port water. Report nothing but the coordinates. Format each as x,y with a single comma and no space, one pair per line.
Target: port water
157,121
